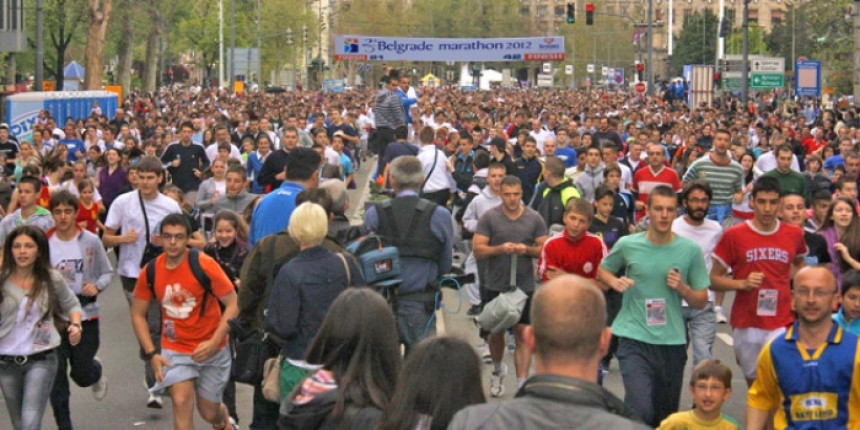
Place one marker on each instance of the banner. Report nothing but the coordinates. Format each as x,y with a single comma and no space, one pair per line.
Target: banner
371,48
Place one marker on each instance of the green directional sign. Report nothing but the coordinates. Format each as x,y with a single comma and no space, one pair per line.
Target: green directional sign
767,80
733,84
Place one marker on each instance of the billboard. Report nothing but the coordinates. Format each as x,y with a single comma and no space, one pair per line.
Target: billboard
365,48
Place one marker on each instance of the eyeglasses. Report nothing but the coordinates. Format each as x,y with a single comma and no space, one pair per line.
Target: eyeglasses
171,237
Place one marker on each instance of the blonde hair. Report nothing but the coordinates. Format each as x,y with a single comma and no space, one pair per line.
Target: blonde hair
308,224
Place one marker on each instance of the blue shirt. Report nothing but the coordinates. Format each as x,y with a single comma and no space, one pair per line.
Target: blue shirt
852,326
417,273
74,145
811,389
833,162
273,212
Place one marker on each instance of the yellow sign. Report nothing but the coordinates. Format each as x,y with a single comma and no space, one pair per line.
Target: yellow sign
115,89
48,86
238,87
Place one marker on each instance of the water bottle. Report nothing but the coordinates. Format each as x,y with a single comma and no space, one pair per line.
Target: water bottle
511,341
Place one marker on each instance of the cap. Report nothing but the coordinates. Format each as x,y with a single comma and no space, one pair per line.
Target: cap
4,125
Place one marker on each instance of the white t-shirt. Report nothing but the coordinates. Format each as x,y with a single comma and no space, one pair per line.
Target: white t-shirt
125,213
66,258
706,236
221,187
331,156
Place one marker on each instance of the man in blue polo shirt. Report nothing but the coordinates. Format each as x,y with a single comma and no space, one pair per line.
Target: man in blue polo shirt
810,375
273,212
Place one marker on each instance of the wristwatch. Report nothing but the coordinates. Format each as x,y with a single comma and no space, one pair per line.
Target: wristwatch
78,325
150,354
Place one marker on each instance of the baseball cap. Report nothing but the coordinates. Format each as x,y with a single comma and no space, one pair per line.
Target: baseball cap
4,125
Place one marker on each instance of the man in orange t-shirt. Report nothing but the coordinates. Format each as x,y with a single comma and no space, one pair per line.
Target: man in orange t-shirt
193,361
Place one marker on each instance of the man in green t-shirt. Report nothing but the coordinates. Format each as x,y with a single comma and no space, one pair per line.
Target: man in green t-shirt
661,269
791,182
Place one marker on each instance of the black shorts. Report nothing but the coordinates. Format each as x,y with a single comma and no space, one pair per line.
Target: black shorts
525,318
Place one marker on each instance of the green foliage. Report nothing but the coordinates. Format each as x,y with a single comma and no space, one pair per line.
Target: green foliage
757,43
696,43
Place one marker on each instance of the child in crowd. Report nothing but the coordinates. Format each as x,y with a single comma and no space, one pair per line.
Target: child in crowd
88,213
176,194
711,386
848,316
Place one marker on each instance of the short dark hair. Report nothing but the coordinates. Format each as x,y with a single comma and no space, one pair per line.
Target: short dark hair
820,195
302,164
150,164
174,220
766,184
186,124
697,185
236,168
850,279
708,369
64,197
602,191
499,143
32,180
401,132
481,160
611,167
511,180
580,206
783,148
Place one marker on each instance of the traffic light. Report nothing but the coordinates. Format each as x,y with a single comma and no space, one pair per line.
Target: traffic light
639,69
589,14
718,80
571,13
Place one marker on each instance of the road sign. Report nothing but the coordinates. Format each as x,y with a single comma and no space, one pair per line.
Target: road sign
767,80
618,77
733,84
568,69
807,80
640,87
728,66
768,64
604,71
589,68
547,67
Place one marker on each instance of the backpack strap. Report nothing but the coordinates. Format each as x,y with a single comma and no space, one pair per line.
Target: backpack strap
200,275
423,206
346,268
390,219
150,277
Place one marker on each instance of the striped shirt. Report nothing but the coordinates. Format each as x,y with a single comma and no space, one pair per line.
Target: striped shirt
388,112
725,179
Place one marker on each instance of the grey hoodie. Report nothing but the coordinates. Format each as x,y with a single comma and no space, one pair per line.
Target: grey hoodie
236,203
97,268
483,202
589,180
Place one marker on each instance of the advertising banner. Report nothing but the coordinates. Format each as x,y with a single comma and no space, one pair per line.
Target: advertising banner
371,48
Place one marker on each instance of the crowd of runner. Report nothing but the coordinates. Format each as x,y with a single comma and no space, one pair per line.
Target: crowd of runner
620,220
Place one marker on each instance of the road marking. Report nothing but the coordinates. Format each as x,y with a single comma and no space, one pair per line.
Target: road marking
726,338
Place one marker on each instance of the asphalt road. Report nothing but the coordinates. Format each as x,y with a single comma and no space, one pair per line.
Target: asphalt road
124,407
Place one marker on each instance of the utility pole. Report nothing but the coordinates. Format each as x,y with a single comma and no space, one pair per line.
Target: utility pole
40,46
220,43
259,42
745,64
855,12
650,47
232,43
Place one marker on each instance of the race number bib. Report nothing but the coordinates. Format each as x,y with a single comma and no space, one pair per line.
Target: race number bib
767,300
170,330
655,311
43,334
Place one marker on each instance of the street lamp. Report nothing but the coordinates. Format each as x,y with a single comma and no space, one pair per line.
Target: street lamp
290,45
305,51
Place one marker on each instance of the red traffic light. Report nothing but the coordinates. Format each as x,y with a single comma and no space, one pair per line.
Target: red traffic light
640,67
717,76
589,7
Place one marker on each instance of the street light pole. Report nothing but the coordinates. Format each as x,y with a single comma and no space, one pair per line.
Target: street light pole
220,43
40,46
650,47
232,43
745,64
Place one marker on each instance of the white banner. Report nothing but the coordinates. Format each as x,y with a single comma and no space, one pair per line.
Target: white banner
370,48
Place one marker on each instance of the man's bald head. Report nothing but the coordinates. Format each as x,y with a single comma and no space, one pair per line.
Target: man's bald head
568,317
820,273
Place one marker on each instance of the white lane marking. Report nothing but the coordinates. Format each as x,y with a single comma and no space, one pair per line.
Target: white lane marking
726,338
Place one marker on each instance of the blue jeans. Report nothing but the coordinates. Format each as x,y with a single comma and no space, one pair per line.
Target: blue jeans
26,389
719,213
412,323
652,377
85,371
701,331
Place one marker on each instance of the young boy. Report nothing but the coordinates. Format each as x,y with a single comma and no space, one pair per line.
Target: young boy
711,386
848,316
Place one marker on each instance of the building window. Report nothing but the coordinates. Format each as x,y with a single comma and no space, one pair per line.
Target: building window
688,12
730,16
542,11
776,17
525,11
559,11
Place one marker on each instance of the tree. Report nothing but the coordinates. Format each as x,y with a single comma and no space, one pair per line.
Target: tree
756,42
63,22
695,44
99,16
125,41
153,45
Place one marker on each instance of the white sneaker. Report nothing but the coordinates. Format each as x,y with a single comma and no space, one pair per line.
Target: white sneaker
721,318
497,382
484,352
232,425
101,386
154,402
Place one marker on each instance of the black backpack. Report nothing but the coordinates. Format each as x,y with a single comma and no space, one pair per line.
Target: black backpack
196,269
